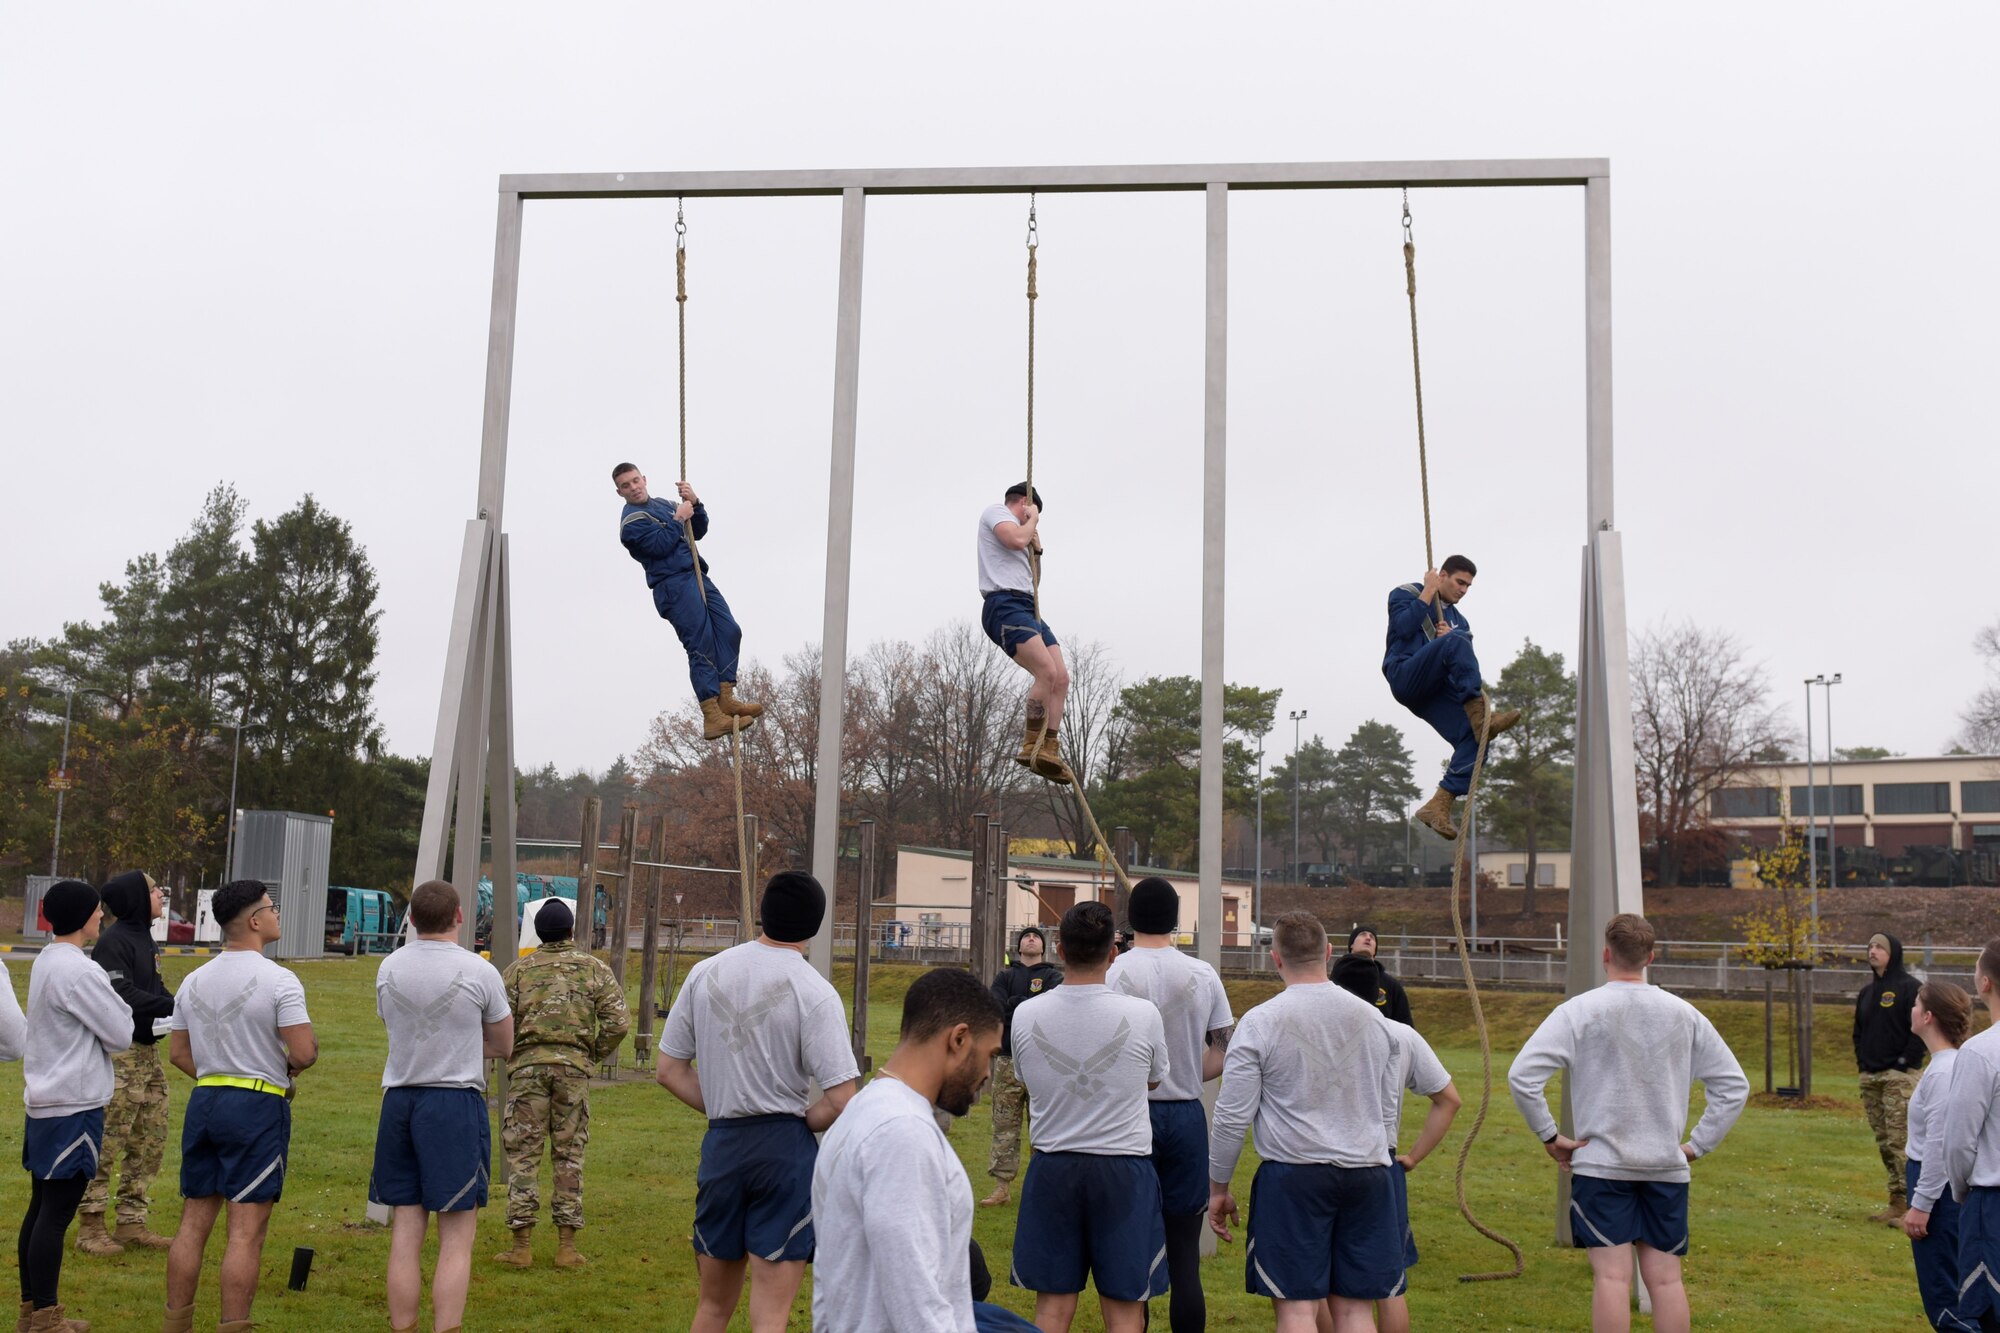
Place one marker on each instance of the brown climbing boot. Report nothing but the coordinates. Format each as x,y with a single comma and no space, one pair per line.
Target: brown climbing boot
1048,761
27,1317
130,1234
715,724
566,1253
49,1319
1475,710
1435,815
1031,741
181,1320
997,1197
234,1326
736,707
93,1239
521,1256
1893,1214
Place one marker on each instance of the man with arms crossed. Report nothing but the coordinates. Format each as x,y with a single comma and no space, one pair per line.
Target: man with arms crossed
1090,1206
1194,1009
446,1012
752,1027
1315,1071
241,1033
1631,1053
1010,540
887,1182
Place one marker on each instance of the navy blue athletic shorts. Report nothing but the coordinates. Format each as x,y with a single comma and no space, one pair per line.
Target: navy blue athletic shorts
434,1147
59,1147
1619,1212
1009,620
1088,1216
753,1191
1400,1180
1978,1259
233,1143
1317,1231
1180,1156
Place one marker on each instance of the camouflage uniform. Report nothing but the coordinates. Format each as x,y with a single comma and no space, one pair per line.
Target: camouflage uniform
569,1016
1010,1098
1885,1096
135,1124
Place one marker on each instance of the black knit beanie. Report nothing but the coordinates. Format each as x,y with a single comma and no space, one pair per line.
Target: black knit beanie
1358,932
68,905
793,907
554,921
1155,908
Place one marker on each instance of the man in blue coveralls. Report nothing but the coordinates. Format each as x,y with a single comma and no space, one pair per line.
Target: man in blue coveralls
657,533
1432,672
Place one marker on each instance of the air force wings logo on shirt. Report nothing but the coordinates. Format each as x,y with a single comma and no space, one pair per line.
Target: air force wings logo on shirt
427,1020
1086,1076
205,1013
736,1026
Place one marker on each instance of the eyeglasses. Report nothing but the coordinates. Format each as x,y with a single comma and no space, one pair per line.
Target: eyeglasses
262,907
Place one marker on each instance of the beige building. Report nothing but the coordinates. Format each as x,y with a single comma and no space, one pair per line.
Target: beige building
1891,805
1509,867
933,892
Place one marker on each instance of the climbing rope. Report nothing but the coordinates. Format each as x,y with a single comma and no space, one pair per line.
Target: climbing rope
1471,799
681,304
1034,548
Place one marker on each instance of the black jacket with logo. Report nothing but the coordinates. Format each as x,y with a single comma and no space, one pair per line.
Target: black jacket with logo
1017,983
1882,1036
1351,971
126,951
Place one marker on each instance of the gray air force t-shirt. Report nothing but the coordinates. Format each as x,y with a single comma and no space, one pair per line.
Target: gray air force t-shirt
1086,1054
1421,1071
760,1024
1001,569
1191,1002
436,999
232,1007
1319,1074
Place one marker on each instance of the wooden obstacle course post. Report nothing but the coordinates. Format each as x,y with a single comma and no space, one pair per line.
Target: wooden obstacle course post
586,868
999,892
649,947
864,930
985,963
750,870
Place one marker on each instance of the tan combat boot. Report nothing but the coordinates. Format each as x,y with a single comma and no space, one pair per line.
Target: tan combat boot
1435,815
997,1197
1031,741
27,1317
129,1234
566,1252
234,1326
49,1319
521,1256
1475,711
715,724
1049,761
179,1321
93,1239
736,707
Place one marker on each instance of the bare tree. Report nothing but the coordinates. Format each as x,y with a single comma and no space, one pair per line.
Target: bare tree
1088,732
1982,716
1700,715
968,707
884,688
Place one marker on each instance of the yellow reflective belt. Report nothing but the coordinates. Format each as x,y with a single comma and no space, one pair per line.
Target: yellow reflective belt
232,1081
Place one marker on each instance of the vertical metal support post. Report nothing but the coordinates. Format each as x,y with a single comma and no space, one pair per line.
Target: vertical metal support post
1214,484
618,920
470,806
586,870
649,948
839,563
504,942
864,918
468,602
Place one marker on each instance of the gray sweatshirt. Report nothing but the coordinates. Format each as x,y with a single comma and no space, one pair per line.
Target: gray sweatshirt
75,1023
1972,1116
13,1023
1633,1054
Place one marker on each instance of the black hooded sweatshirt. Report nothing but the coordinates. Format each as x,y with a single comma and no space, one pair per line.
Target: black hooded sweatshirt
1016,983
127,952
1364,976
1882,1036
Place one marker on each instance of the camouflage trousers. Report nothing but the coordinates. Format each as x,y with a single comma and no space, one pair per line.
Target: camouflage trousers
549,1102
1010,1102
1885,1096
135,1130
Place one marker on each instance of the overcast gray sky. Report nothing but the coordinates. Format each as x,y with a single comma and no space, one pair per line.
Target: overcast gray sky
254,243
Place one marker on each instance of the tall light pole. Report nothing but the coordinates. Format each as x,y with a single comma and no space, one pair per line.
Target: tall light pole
1257,884
1812,814
62,773
229,839
1832,801
1297,717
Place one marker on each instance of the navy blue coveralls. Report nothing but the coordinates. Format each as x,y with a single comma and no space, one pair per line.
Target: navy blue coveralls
1434,675
708,631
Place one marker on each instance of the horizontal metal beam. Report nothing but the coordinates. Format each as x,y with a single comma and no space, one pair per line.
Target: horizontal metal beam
1058,180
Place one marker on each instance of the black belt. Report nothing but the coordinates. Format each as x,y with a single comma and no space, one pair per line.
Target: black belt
775,1117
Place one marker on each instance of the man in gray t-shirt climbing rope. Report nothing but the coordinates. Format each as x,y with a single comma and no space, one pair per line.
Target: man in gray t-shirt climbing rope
1009,540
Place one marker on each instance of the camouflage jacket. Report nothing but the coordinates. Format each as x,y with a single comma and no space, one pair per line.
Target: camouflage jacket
567,1009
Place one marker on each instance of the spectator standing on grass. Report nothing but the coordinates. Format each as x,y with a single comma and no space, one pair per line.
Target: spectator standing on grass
569,1016
135,1123
1630,1054
1027,974
1971,1151
1941,1014
1890,1055
446,1012
241,1032
752,1028
1360,960
76,1023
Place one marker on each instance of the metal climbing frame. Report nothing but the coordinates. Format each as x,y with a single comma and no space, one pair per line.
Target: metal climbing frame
475,707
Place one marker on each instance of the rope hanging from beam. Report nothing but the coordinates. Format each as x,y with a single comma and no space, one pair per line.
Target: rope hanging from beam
681,306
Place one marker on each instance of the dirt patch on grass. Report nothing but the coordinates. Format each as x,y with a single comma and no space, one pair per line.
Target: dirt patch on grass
1771,1101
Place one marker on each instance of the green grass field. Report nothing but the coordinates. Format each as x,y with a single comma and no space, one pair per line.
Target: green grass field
1779,1239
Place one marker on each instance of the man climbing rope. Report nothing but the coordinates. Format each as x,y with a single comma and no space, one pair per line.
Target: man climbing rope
1009,541
1432,671
661,537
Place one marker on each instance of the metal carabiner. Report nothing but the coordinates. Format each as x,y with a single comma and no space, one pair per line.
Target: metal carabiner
1407,238
1033,230
680,227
